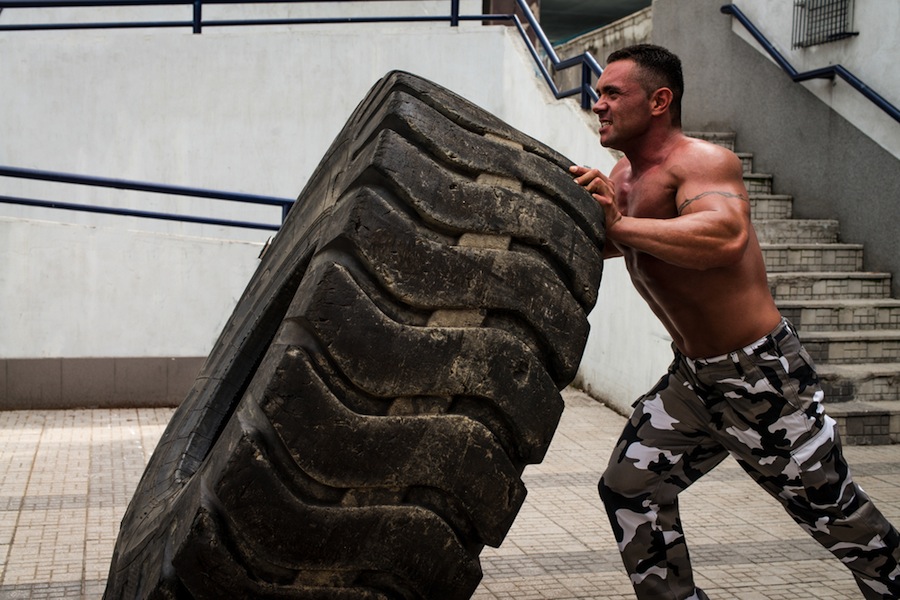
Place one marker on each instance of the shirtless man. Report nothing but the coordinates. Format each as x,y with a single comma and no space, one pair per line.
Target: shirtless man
741,383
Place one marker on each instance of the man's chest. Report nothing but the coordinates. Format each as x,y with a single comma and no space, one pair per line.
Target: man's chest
650,196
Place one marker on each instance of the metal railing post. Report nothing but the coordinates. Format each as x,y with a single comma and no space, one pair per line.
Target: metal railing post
454,13
536,29
585,85
198,15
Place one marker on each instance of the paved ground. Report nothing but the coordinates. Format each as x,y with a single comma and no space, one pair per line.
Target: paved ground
66,478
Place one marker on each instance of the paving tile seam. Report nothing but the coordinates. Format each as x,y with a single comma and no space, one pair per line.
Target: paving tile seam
775,552
86,537
34,591
43,502
15,529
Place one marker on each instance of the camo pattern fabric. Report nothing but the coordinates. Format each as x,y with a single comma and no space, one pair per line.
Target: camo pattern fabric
761,404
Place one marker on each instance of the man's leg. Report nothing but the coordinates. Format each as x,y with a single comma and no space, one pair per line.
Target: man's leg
816,489
773,422
658,455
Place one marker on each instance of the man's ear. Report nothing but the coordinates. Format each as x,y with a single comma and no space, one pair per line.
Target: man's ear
660,101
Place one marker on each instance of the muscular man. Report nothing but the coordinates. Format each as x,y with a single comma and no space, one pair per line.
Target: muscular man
741,383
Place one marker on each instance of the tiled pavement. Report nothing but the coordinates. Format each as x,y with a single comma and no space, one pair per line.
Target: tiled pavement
66,477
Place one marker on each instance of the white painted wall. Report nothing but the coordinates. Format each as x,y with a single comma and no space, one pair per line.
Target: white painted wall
76,291
871,56
234,110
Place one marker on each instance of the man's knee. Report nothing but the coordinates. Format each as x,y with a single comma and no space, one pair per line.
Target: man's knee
620,480
627,487
606,493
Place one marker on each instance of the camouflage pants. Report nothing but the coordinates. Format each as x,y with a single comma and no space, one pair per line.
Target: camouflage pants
761,404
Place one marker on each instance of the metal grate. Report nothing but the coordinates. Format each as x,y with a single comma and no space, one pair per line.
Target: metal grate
821,21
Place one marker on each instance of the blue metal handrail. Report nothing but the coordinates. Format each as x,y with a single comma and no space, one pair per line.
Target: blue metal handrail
197,22
141,186
823,73
589,65
589,68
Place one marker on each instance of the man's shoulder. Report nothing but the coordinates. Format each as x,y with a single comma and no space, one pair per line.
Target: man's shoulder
692,145
694,153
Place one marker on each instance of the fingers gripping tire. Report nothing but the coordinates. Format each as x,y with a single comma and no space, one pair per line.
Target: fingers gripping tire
360,427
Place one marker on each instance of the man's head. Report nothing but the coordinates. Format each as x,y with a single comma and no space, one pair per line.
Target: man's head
658,68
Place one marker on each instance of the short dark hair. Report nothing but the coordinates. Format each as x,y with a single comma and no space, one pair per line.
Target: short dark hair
660,68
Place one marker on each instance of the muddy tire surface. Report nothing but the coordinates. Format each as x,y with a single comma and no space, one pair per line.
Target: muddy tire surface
360,427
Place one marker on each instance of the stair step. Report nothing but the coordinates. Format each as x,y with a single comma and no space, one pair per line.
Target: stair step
867,423
746,161
771,206
797,231
842,315
872,382
758,183
829,285
813,257
853,347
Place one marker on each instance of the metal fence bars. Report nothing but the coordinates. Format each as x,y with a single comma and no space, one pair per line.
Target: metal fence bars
821,21
122,184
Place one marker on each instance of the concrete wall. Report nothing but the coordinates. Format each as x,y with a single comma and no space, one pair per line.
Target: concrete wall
831,166
96,306
633,29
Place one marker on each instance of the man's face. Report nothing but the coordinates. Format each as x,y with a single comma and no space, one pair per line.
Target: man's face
623,107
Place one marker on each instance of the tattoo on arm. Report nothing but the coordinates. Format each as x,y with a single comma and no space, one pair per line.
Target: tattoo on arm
687,202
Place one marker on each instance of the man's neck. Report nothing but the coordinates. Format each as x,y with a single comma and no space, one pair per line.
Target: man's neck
652,148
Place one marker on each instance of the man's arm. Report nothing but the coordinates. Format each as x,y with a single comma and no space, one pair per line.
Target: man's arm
713,223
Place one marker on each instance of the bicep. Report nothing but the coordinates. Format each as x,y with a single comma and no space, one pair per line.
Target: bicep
718,186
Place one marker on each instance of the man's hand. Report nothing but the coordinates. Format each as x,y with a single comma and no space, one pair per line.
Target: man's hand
602,189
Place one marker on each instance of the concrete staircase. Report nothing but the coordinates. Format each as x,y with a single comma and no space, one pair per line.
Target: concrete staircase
846,317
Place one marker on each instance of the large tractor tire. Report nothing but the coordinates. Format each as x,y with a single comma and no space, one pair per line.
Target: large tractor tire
360,426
